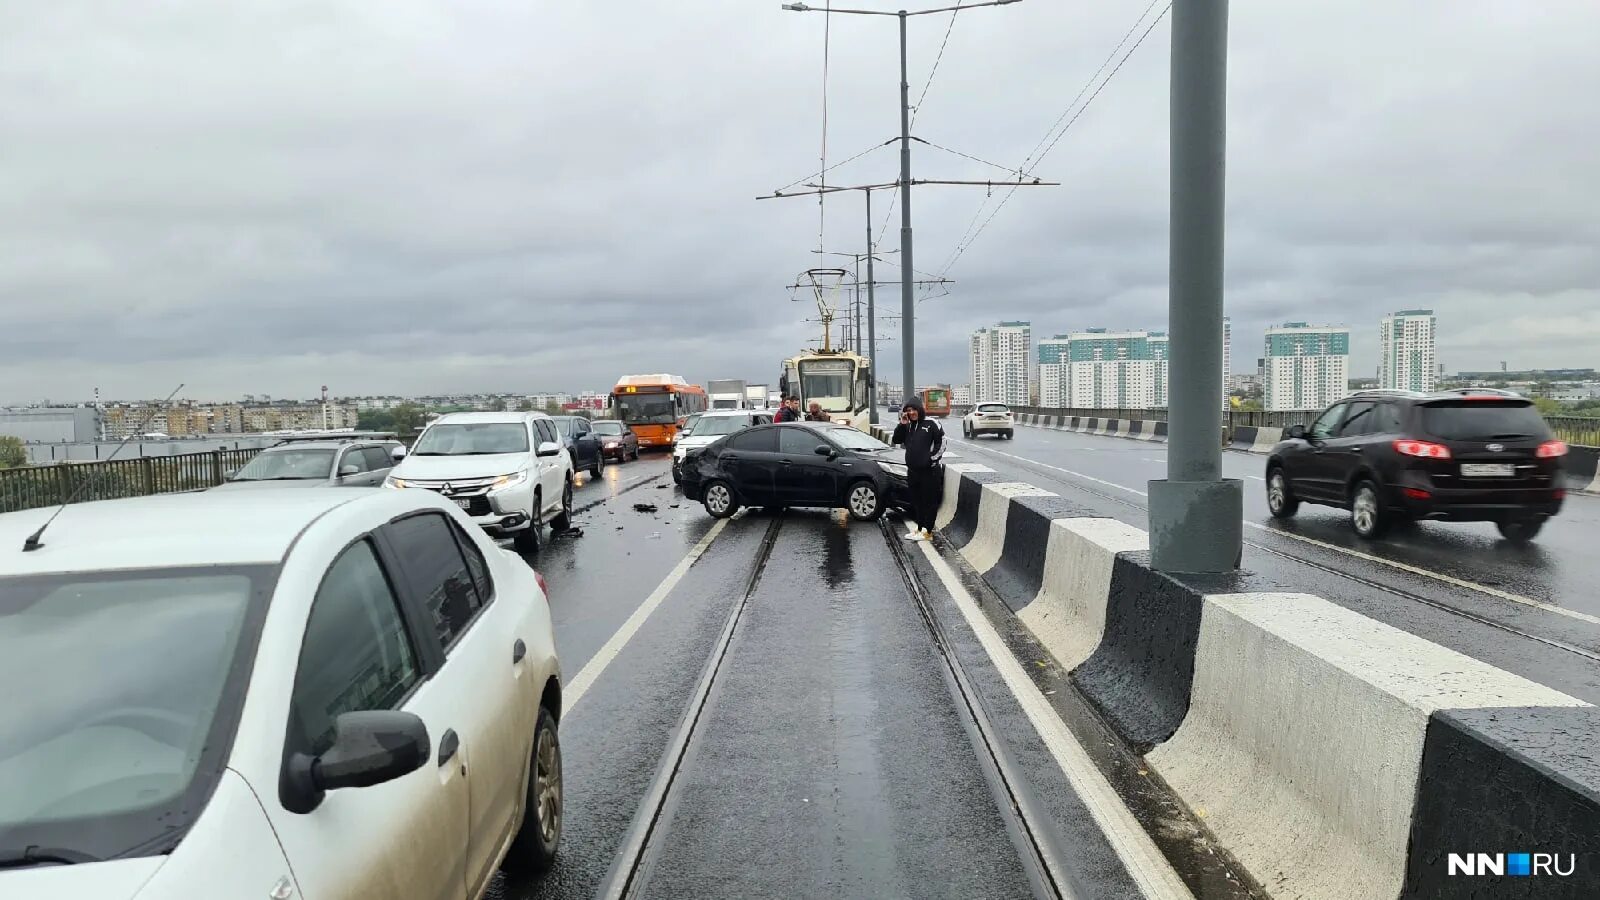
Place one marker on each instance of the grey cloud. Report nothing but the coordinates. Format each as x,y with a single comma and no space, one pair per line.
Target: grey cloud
419,196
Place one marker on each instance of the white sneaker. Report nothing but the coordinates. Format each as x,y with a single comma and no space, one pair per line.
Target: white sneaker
915,536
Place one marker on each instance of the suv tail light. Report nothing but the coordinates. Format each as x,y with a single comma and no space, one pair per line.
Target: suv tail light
1551,449
543,588
1423,449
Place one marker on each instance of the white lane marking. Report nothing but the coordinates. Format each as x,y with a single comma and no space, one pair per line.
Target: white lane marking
1437,576
1155,459
591,670
1255,478
1393,564
1149,868
1110,484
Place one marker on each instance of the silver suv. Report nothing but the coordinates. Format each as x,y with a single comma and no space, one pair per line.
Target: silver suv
319,463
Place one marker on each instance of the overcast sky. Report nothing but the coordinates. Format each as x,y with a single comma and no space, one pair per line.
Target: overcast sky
266,196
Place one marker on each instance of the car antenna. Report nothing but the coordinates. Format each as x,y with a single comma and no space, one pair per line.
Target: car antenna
34,541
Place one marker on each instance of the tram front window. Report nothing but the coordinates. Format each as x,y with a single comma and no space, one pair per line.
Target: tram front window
827,382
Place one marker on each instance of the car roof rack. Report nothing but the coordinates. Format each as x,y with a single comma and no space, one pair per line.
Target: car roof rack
1387,392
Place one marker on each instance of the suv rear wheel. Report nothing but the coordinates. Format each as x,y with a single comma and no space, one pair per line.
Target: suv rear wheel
1367,515
1281,501
563,520
1520,531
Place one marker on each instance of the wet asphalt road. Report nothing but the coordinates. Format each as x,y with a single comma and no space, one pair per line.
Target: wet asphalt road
1531,610
832,756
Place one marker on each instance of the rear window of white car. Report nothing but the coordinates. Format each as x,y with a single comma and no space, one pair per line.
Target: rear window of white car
993,409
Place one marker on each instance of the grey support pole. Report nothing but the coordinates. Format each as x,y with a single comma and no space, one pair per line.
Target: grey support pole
872,322
908,302
1195,514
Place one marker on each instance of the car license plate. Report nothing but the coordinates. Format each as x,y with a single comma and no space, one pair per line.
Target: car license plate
463,502
1487,470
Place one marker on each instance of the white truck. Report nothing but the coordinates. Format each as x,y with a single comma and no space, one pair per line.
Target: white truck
726,393
755,396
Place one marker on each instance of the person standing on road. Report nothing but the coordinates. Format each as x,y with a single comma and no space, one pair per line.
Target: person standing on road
924,443
789,412
815,413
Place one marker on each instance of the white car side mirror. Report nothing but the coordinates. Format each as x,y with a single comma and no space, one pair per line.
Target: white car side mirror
549,448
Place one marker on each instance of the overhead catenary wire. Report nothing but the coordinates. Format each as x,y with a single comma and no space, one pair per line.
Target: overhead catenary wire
970,236
799,181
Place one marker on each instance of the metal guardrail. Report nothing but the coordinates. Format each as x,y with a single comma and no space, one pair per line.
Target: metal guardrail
31,487
1579,430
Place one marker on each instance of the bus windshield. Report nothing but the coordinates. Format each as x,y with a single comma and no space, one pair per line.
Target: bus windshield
827,382
647,409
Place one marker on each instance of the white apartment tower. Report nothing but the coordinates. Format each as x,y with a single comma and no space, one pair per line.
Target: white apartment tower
1406,343
999,363
1306,366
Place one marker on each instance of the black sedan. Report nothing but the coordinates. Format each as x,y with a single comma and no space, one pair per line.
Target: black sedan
805,465
617,441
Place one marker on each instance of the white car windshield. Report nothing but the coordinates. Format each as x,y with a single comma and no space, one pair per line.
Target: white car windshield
472,439
122,729
716,426
299,464
993,409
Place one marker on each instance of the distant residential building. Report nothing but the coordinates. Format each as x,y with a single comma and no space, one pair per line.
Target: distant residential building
1245,384
961,395
1101,369
1406,345
1306,366
1227,359
999,363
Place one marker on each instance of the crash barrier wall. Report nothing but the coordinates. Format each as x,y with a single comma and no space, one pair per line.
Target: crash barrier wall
1333,755
30,487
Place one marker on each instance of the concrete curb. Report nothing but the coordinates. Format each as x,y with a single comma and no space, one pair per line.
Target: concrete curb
1331,754
1583,469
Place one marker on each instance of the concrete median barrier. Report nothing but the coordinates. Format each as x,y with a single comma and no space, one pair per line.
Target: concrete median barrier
1583,469
1134,429
1331,754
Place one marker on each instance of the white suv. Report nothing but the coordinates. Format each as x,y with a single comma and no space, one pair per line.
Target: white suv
313,693
710,427
988,418
508,470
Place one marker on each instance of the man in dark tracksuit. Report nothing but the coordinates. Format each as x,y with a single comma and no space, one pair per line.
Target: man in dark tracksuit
924,443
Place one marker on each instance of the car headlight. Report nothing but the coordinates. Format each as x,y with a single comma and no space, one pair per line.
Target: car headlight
393,482
612,445
512,480
897,469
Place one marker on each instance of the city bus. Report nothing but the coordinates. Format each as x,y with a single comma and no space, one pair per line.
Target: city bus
936,400
654,407
837,380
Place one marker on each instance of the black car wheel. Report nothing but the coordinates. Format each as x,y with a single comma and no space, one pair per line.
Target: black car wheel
720,501
599,465
863,502
563,520
534,848
1367,515
1520,531
677,473
1281,501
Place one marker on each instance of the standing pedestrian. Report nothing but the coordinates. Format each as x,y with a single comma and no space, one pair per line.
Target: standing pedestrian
924,443
815,413
790,411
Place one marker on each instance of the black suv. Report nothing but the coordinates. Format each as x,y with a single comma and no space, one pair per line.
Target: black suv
1398,456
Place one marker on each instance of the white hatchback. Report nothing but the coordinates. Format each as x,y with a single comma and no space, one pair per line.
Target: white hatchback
988,418
711,427
283,694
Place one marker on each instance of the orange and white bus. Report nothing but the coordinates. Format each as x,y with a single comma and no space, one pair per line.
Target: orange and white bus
654,407
936,400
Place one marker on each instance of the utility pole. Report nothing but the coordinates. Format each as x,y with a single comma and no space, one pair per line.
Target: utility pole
1195,513
908,301
872,320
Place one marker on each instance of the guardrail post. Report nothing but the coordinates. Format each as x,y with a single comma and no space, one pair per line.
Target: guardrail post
147,475
216,467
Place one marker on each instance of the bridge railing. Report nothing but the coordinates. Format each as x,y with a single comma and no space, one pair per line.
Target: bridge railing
30,487
1581,430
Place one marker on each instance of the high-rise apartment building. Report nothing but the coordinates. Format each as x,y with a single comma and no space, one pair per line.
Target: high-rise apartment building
1406,343
999,363
1101,369
1306,366
1227,359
